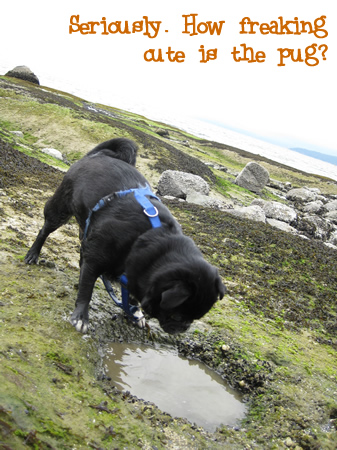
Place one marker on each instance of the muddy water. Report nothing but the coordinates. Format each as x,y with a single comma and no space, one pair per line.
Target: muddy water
178,386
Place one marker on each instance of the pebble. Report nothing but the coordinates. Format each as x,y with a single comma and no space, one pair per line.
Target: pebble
289,442
17,133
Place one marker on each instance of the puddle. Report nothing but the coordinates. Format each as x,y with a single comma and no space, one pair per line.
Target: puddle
178,386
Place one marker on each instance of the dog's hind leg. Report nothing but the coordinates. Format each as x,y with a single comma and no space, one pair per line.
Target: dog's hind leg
56,213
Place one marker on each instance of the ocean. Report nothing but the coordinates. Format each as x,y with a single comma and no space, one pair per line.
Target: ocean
198,128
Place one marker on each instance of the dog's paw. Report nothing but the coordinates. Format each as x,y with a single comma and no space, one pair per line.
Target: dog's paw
139,316
31,258
80,318
80,325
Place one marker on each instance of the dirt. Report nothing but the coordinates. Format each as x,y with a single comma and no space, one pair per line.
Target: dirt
273,337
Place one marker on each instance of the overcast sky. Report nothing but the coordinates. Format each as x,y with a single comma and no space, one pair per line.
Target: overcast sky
292,105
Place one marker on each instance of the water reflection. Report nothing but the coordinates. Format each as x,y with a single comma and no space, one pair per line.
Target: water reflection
178,386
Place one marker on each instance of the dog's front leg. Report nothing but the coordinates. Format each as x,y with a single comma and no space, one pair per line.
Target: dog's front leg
80,317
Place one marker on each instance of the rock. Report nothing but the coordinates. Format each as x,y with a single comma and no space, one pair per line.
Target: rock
169,197
253,177
315,226
289,442
17,133
216,166
53,152
221,168
253,212
163,133
301,195
331,206
314,207
322,198
209,202
275,184
23,73
281,226
312,189
276,210
180,184
199,326
332,216
333,238
328,244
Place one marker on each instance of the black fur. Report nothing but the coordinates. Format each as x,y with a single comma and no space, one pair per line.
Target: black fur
166,271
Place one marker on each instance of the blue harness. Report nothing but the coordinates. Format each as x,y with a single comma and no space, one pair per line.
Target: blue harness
152,213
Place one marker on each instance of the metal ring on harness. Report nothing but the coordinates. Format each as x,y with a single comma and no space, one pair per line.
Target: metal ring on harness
151,215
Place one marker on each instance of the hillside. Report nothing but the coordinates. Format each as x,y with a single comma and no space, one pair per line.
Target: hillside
273,337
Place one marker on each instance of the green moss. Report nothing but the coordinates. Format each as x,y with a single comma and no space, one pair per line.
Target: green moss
58,357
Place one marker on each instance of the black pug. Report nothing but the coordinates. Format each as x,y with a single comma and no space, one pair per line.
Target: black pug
165,270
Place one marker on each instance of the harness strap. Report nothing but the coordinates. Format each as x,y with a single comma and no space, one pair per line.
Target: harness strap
98,206
133,312
140,195
130,310
148,208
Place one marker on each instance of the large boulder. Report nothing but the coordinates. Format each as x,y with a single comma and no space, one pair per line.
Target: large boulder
23,73
276,210
181,184
253,177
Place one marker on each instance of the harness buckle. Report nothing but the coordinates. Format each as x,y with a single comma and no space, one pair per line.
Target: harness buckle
146,212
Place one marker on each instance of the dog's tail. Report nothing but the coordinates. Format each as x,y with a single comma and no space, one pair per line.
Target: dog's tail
119,148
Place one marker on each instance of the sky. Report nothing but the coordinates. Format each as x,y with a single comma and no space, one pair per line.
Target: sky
290,103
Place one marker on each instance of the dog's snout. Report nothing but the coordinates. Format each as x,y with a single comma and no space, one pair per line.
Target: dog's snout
177,317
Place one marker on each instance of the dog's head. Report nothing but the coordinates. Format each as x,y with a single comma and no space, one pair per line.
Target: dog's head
181,294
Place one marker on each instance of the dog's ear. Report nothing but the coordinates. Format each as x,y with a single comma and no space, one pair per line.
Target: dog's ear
174,297
220,287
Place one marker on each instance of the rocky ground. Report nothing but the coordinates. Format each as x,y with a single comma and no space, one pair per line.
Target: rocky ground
273,337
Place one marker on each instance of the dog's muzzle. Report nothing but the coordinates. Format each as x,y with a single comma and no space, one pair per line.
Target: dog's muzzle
173,326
